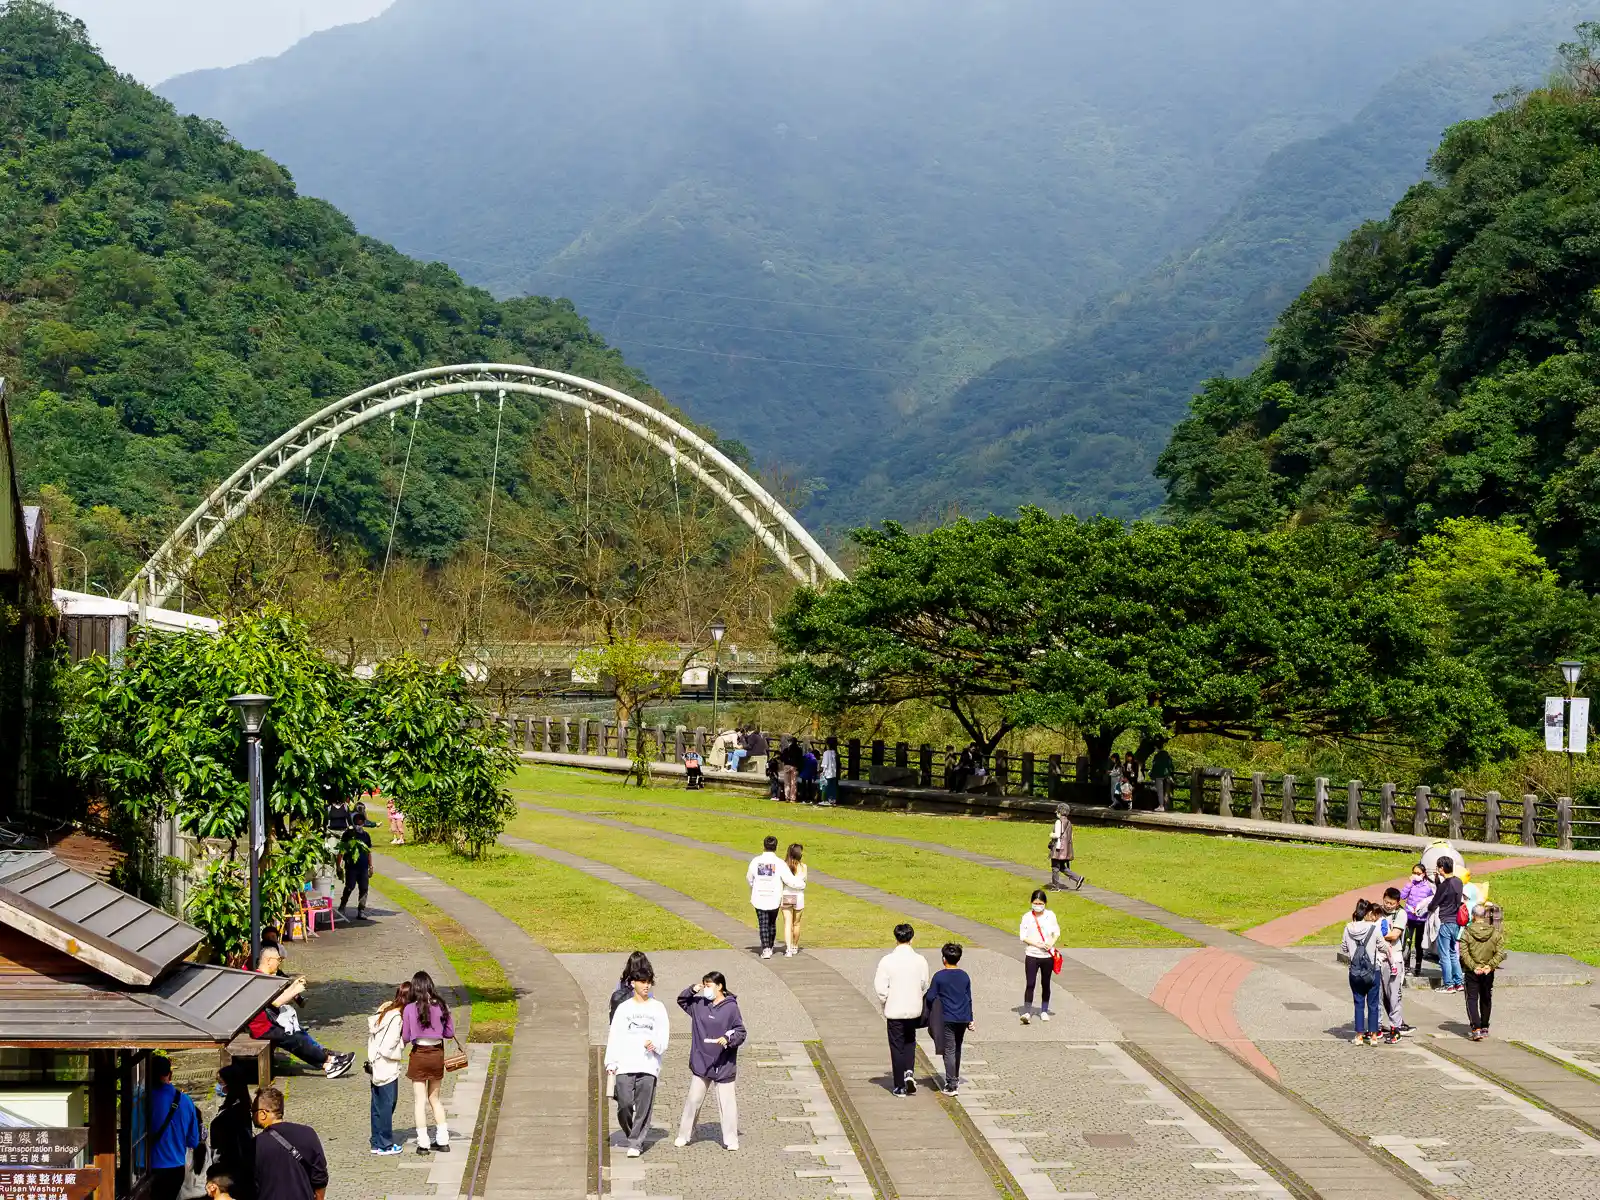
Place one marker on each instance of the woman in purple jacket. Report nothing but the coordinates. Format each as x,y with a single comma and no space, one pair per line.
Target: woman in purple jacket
718,1029
424,1025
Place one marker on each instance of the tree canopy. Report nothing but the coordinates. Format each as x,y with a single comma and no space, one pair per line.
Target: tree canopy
1160,630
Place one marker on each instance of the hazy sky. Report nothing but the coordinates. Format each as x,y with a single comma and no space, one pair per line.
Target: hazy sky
156,39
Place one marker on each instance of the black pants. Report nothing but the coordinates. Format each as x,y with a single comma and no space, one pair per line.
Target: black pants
767,923
1041,969
300,1044
1412,944
167,1182
696,779
955,1033
352,882
1480,998
902,1048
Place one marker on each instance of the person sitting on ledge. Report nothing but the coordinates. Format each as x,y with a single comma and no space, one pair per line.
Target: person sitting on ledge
279,1022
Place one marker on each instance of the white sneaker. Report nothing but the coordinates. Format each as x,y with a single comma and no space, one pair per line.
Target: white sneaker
791,952
634,1152
766,952
680,1142
1044,1016
731,1146
1026,1020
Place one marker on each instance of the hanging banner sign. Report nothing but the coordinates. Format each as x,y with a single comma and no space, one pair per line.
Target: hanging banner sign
1578,726
1555,733
42,1147
28,1184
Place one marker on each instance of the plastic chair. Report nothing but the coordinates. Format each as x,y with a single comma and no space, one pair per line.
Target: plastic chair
314,905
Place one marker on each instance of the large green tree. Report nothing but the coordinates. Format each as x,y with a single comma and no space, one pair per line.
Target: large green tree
1154,629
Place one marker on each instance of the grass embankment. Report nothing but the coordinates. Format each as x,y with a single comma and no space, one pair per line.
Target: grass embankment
562,909
1233,883
490,997
832,919
993,897
1549,910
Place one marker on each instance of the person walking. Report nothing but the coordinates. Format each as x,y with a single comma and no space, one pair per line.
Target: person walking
176,1122
385,1049
900,982
425,1025
1447,903
765,877
290,1164
1483,949
1039,931
637,1039
1361,944
828,768
1392,927
233,1130
792,903
949,1003
1416,897
1061,851
355,849
717,1029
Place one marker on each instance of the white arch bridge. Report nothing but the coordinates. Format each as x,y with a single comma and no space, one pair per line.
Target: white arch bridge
774,525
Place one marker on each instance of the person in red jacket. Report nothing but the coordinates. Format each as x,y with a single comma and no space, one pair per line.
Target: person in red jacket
279,1022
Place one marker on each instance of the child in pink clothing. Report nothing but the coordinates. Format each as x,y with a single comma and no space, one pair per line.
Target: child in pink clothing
397,824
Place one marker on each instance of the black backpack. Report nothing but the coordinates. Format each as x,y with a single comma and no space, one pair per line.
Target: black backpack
624,991
1363,971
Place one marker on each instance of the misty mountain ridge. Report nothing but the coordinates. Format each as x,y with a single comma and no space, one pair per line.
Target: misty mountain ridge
807,222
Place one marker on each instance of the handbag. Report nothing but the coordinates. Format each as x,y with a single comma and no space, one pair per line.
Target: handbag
459,1060
1463,917
1055,955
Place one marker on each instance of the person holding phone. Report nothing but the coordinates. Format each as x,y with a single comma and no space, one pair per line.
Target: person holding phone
718,1032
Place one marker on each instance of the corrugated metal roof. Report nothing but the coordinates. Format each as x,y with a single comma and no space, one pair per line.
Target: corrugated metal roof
196,1003
106,928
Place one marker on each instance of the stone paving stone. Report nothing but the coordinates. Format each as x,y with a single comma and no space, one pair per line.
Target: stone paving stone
1461,1133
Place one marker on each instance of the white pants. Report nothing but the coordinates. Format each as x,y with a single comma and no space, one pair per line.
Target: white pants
727,1105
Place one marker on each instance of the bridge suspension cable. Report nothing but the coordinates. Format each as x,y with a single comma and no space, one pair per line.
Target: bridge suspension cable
773,525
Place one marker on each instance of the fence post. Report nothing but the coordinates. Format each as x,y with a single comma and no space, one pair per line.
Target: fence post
852,758
1080,768
1197,790
1287,815
547,736
1458,813
1386,808
925,765
1225,793
700,740
605,739
622,739
1054,769
1352,805
1564,822
1530,819
1419,819
677,743
1319,813
877,753
947,767
583,735
1258,796
902,755
1491,817
661,743
1027,772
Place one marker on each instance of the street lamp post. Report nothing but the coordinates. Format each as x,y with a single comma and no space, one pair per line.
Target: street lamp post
718,629
252,709
1571,669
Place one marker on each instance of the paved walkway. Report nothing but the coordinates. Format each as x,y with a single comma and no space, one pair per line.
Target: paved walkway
1283,1136
923,1153
542,1125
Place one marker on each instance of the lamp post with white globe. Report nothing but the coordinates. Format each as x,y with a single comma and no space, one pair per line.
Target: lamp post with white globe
718,631
252,710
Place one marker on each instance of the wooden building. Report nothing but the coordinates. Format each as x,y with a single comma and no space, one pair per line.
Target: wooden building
92,982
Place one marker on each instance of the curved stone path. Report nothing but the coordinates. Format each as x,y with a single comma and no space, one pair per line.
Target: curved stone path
1284,1135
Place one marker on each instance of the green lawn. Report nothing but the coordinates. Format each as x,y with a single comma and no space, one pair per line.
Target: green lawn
561,909
832,919
1549,910
994,897
490,998
1233,883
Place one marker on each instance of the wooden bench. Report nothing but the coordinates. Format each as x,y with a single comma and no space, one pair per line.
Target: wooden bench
245,1046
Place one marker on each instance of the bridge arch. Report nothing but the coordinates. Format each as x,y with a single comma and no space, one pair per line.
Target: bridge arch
774,525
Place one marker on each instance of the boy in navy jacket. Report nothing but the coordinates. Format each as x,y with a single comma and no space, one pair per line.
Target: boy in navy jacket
949,1000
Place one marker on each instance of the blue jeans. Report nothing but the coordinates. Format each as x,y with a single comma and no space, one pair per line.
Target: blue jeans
384,1096
830,790
1367,1007
1448,947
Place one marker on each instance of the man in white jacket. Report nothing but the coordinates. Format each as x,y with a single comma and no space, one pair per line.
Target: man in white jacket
634,1046
901,982
765,877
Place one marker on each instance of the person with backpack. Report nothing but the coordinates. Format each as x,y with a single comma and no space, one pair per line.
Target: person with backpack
718,1032
1416,896
1483,949
1447,903
1061,851
1362,939
290,1164
176,1122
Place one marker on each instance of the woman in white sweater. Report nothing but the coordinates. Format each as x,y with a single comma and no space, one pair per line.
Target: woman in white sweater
792,904
385,1049
1039,932
634,1046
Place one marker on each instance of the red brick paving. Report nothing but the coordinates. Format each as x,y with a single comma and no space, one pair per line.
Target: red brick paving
1199,991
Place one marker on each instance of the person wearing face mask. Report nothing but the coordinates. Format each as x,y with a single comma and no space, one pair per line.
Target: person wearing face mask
634,1046
1415,896
1039,932
718,1032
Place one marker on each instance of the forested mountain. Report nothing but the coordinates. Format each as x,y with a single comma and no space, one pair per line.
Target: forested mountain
169,303
1446,363
810,220
1078,426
